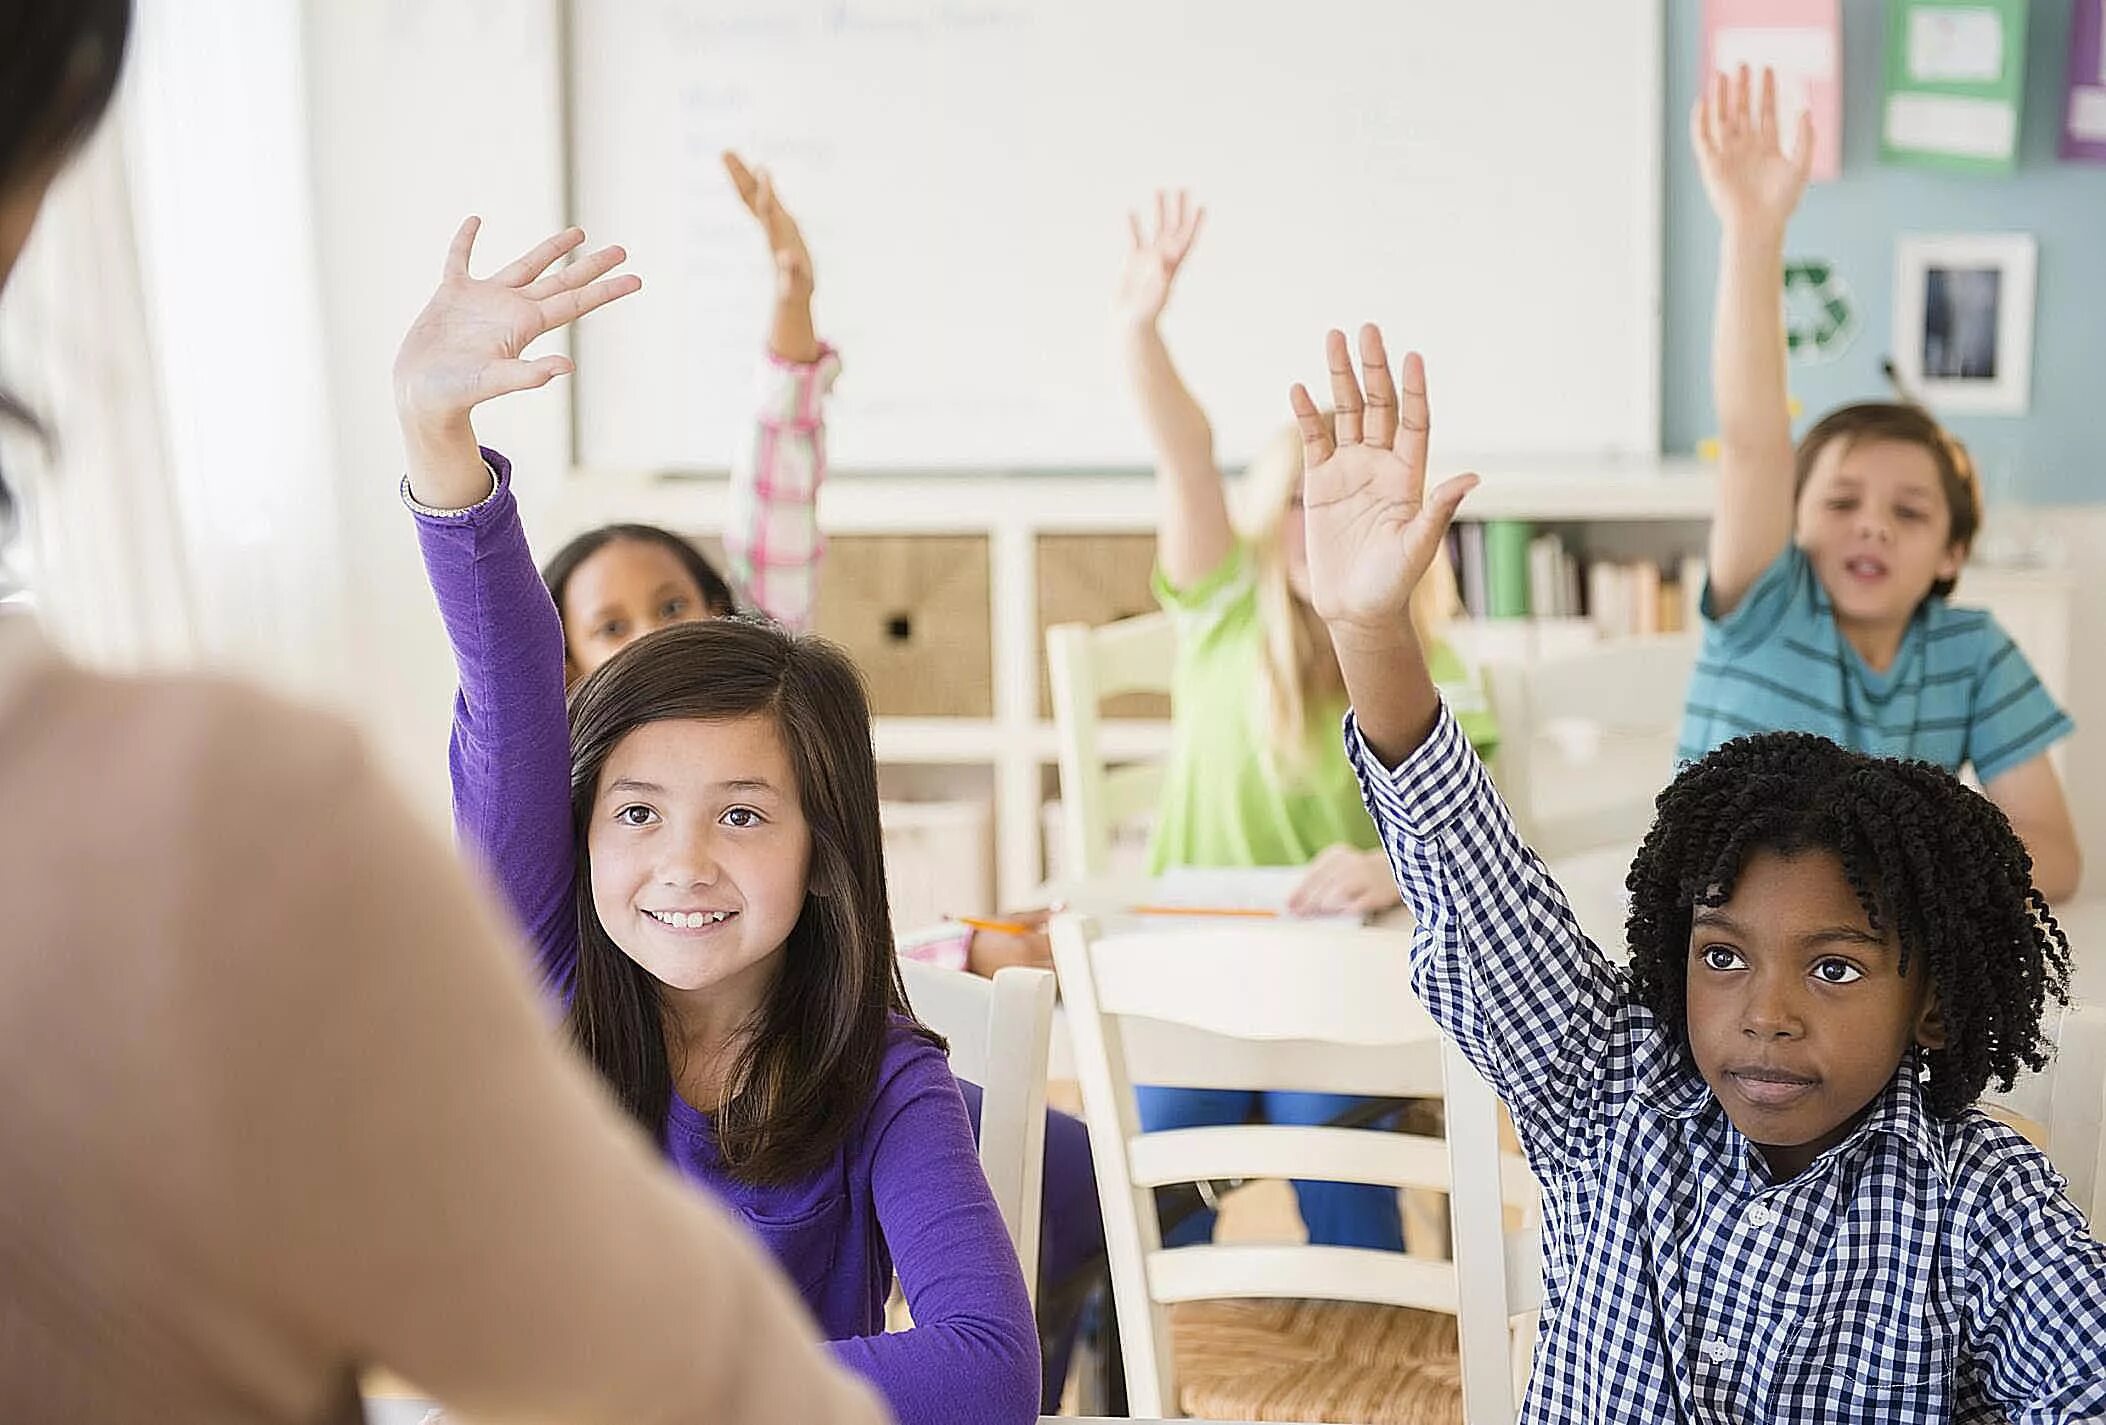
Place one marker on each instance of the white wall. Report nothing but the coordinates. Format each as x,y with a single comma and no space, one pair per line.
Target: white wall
2074,536
424,111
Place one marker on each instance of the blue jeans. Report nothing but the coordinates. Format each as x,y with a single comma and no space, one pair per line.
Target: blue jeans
1336,1214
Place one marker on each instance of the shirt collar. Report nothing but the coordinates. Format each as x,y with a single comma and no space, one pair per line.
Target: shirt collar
1677,1090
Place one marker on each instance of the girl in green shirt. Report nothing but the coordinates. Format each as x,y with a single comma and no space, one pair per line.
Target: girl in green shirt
1257,774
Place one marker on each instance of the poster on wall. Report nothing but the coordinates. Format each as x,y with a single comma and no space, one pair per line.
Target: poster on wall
2084,113
1963,321
1802,40
1954,83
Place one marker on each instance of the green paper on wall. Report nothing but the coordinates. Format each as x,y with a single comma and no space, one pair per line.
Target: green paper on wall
1954,84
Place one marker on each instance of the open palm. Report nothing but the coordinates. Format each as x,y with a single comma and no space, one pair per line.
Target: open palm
469,342
1372,528
786,246
1153,259
1740,151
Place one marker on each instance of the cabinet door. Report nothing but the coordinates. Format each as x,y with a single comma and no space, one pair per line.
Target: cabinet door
1095,579
913,611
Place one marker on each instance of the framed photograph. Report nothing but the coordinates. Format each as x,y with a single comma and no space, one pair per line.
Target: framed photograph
1963,321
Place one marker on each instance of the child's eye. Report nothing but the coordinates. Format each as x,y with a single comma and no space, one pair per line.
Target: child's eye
1910,514
1837,972
613,628
742,818
636,814
1721,957
1842,504
674,608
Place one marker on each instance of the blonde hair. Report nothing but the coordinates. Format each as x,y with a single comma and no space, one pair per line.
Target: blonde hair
1297,669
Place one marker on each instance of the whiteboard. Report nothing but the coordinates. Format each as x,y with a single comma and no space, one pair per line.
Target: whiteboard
1481,178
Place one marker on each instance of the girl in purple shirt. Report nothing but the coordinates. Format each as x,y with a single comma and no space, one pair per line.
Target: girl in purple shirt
694,851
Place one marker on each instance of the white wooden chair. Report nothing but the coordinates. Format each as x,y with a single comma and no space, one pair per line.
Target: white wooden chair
1088,665
2068,1100
999,1031
1312,1008
1587,738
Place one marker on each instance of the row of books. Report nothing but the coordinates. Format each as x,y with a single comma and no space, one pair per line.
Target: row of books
1508,571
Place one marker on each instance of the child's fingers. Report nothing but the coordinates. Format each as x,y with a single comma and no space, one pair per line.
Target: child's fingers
1414,416
1767,121
1187,230
1721,106
567,307
1447,497
1374,896
575,275
463,244
1700,136
741,177
1381,390
1742,87
1803,145
1322,890
1133,227
1345,390
525,269
1162,213
504,377
1317,444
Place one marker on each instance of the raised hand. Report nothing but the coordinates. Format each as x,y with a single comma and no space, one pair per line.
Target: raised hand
1154,257
1751,180
793,260
468,344
1372,528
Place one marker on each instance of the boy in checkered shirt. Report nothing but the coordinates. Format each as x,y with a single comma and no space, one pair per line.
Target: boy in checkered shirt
1767,1193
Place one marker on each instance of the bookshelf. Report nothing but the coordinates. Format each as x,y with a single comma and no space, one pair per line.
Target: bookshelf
904,574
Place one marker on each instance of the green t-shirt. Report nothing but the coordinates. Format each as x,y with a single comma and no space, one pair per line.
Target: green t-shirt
1225,803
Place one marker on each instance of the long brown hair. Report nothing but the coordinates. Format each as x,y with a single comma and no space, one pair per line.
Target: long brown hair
819,1035
59,65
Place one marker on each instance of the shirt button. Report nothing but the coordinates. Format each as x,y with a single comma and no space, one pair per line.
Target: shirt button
1717,1352
1760,1216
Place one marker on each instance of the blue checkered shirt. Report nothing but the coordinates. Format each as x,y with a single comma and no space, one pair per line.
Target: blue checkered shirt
1922,1269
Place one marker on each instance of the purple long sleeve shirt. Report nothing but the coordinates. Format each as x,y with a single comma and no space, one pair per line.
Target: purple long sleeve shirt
904,1193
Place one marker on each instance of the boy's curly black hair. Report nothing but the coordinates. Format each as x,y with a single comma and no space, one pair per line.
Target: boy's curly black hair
1926,856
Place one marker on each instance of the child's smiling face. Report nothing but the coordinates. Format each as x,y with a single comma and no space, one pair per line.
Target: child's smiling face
700,854
1876,526
1798,1011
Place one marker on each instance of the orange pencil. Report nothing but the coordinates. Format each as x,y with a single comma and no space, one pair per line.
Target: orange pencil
1233,911
993,927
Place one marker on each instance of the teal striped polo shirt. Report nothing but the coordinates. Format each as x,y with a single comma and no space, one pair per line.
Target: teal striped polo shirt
1959,691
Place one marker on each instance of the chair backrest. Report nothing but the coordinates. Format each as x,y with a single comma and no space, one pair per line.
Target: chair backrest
1088,665
2068,1099
1000,1031
1587,737
1282,1006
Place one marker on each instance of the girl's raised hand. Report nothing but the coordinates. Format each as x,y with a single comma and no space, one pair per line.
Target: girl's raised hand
793,260
1154,257
1740,153
468,343
1372,528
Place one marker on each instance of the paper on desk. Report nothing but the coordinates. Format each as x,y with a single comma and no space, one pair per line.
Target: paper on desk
1238,888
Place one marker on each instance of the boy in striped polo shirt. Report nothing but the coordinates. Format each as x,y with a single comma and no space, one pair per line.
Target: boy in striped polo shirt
1826,612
